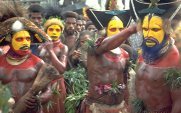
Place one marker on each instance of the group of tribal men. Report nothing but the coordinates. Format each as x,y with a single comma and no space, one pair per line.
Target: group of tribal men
114,87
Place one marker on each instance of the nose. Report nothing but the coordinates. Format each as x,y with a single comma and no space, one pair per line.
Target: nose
54,31
148,33
36,20
26,42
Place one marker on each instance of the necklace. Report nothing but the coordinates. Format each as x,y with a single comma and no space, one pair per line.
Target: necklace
15,61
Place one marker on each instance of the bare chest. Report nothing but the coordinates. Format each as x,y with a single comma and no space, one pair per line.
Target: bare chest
17,74
70,42
151,73
107,70
57,51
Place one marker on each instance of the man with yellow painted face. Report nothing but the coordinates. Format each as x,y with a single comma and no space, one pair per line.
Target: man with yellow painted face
114,26
55,53
107,72
156,74
19,67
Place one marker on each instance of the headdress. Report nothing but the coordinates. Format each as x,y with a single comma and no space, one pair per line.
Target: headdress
12,20
162,8
169,9
102,18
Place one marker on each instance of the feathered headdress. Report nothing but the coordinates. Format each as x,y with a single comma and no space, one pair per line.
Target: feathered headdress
102,18
10,9
13,20
165,8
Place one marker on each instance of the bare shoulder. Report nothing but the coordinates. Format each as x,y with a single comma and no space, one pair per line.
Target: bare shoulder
65,48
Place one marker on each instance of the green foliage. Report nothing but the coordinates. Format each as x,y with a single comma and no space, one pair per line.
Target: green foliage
77,88
138,105
91,43
73,101
5,95
76,80
49,105
173,78
115,88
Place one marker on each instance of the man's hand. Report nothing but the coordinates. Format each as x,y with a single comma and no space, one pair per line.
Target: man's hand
49,45
134,28
32,102
76,54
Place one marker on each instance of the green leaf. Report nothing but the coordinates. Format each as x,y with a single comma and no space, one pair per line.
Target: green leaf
173,78
77,88
138,105
5,95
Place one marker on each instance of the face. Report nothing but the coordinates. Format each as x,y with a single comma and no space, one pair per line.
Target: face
91,28
21,42
114,27
36,18
153,30
54,31
84,39
79,25
70,25
83,24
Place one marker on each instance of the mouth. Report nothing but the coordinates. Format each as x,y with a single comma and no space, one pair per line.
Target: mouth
54,37
151,42
24,48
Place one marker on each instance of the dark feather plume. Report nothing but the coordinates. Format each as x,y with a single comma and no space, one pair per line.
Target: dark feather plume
9,9
53,11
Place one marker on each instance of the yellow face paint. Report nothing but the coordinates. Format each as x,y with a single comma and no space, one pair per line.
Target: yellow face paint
153,28
21,41
114,27
54,31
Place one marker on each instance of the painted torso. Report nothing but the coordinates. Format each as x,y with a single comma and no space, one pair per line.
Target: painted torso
58,48
150,84
19,77
105,69
58,100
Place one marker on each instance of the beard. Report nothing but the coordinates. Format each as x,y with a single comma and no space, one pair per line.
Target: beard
23,51
150,54
70,31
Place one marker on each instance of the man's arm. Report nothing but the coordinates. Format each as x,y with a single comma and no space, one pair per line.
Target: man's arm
116,40
176,100
61,62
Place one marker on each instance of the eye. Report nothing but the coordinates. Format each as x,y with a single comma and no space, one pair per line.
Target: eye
39,18
120,29
50,29
28,38
19,39
145,29
58,30
82,41
112,29
155,29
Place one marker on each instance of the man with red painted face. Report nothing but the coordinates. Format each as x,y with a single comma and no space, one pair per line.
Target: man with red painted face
156,74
